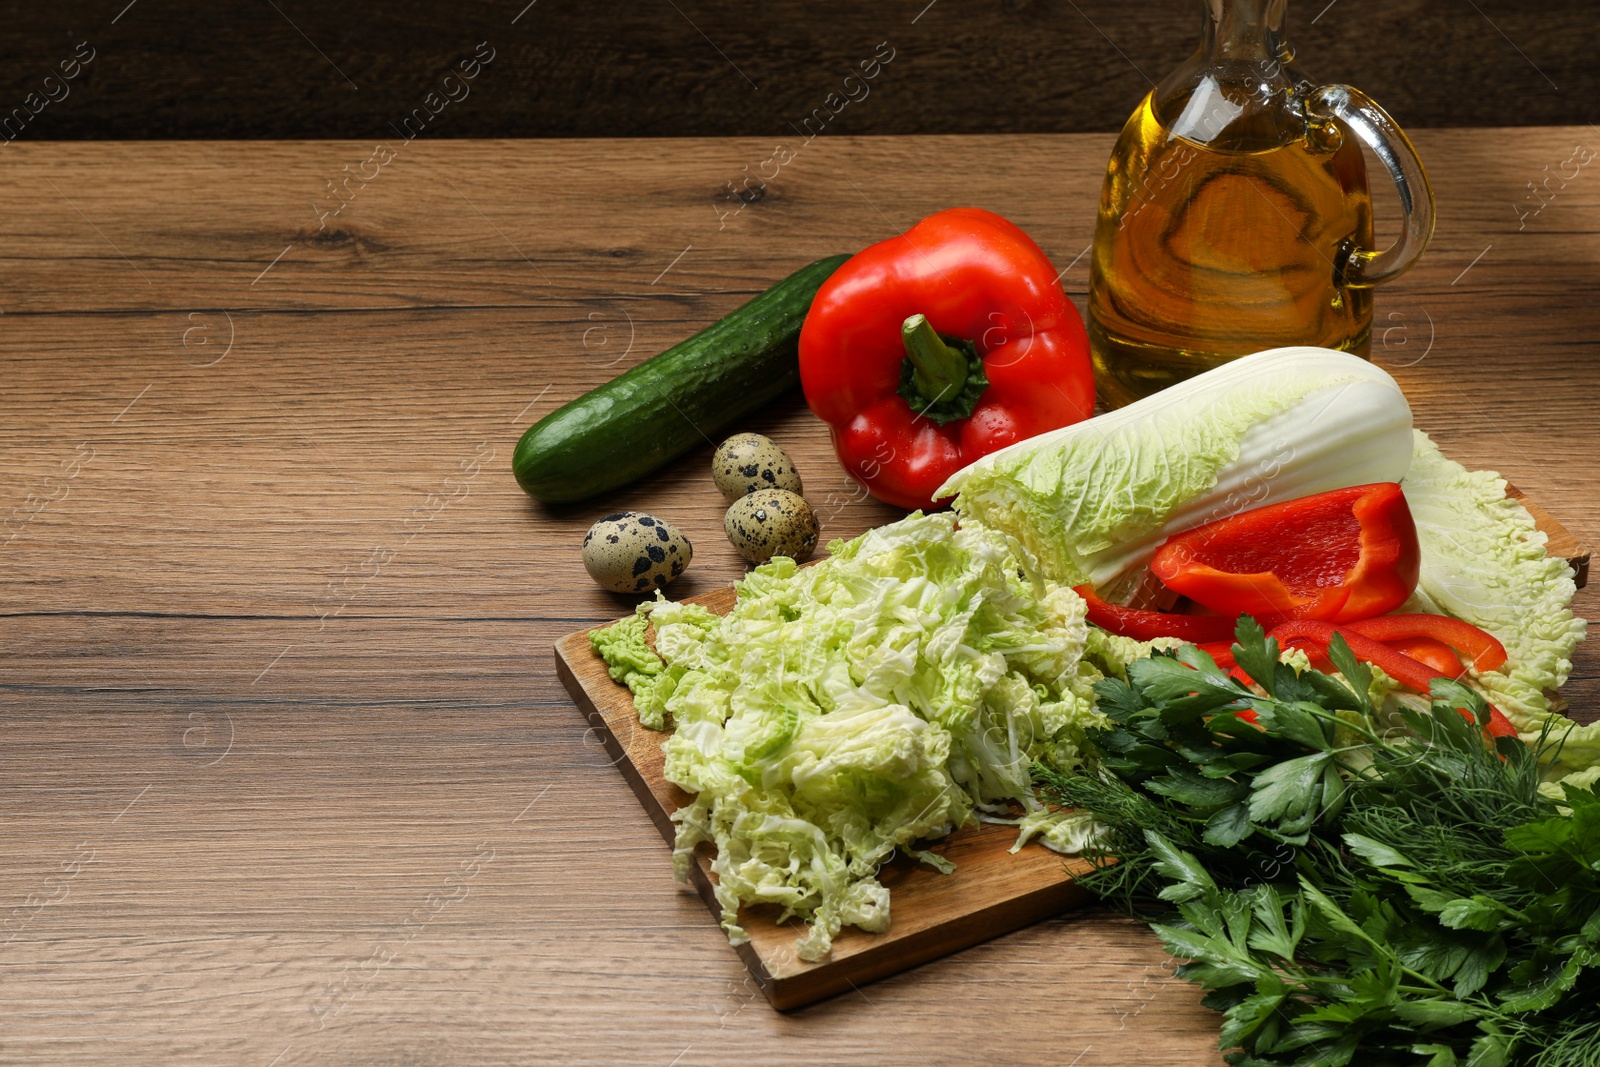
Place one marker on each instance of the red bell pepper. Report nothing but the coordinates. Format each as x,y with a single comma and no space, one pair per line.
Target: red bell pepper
929,350
1142,625
1336,556
1408,672
1480,646
1436,654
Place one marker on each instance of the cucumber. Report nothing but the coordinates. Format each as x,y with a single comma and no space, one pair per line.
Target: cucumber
672,402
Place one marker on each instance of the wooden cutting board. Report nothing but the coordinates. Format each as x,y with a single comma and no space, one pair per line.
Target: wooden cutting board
991,892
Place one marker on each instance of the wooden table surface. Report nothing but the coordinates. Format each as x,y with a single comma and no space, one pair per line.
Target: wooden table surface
287,776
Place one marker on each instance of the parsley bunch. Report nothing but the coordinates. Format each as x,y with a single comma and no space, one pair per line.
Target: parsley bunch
1348,891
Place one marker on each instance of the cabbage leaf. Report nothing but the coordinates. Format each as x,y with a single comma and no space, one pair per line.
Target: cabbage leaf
1484,561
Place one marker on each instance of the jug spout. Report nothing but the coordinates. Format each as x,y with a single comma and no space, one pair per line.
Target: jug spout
1249,30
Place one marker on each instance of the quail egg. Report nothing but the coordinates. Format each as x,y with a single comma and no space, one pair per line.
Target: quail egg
771,522
746,462
631,553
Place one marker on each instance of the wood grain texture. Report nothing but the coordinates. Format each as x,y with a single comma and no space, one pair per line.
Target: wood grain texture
991,892
276,687
296,69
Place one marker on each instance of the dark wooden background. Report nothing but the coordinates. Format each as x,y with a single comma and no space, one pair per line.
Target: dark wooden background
562,68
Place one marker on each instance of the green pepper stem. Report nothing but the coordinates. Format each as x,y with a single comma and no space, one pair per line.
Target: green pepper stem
939,371
941,378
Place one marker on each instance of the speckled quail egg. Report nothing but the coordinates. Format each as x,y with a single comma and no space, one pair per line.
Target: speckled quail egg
746,462
631,553
771,522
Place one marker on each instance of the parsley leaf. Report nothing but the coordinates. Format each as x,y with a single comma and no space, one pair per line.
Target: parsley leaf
1406,900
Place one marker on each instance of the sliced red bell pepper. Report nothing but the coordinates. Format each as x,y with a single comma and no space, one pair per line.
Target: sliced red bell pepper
1436,654
1336,556
1408,672
1142,625
1480,646
931,349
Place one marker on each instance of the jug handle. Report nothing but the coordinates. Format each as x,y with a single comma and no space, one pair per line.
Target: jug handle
1357,111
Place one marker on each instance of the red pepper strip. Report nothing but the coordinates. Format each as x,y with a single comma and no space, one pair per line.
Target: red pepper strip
1436,654
1336,556
931,349
1402,668
1144,625
1480,646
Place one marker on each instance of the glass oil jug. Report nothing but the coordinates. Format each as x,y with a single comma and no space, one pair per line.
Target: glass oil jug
1235,214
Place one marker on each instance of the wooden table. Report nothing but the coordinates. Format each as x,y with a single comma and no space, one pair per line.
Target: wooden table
287,776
